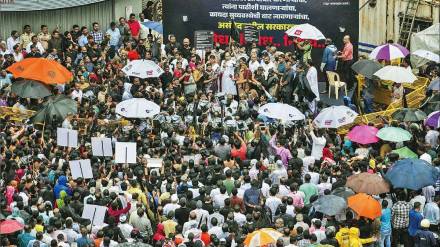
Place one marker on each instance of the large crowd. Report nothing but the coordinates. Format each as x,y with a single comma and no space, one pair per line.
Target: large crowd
245,171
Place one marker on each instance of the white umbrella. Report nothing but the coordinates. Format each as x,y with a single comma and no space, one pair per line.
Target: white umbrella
142,69
137,108
305,31
335,117
281,111
427,55
396,74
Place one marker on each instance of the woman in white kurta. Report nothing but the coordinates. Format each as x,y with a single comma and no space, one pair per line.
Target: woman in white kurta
228,73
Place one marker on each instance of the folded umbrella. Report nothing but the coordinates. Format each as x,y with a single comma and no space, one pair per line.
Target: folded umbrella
412,174
30,89
371,184
365,205
10,226
335,117
41,69
137,108
343,192
330,205
55,108
396,74
366,67
433,119
405,152
363,134
409,115
394,134
281,111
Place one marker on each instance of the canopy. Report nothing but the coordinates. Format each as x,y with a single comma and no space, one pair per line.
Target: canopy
427,39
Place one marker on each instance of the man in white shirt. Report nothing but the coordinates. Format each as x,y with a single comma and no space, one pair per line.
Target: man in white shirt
36,43
267,65
238,216
272,202
253,63
324,185
115,36
219,199
219,218
312,79
178,58
318,143
201,214
124,226
191,224
308,161
171,206
13,40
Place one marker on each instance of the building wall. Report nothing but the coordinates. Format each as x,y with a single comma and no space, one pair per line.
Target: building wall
381,23
103,13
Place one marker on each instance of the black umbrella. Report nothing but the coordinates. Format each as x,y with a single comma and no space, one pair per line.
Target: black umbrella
409,115
343,192
431,104
366,67
30,89
56,107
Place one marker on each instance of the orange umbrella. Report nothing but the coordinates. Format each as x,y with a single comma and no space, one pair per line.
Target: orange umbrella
365,205
41,69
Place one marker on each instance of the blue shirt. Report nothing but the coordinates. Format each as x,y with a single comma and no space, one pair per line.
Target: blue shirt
83,241
432,213
252,196
24,239
414,222
82,40
115,36
385,220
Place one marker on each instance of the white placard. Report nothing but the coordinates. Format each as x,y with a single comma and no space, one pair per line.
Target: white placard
96,214
102,146
125,152
154,162
196,158
81,169
67,137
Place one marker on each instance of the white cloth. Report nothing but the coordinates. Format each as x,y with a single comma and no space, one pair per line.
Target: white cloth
267,67
312,78
227,84
39,47
426,157
318,145
431,137
11,42
253,65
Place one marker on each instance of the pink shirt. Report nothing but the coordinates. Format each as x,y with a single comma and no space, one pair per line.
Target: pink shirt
347,52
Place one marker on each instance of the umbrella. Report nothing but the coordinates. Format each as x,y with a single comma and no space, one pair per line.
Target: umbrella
433,119
335,117
30,89
41,69
394,134
281,111
365,182
262,237
142,69
389,52
432,104
137,108
435,84
427,55
343,192
156,26
408,115
133,244
330,205
363,134
10,226
57,107
405,152
396,74
305,31
365,205
366,67
412,174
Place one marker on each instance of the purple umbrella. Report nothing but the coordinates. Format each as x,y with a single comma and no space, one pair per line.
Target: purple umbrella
433,119
389,52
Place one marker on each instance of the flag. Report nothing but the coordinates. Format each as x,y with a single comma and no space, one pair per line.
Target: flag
235,35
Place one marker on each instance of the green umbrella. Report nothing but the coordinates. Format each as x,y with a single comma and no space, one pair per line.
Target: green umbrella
405,152
409,115
366,67
56,107
394,134
30,89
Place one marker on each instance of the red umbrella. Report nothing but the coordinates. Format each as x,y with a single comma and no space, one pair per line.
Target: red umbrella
10,226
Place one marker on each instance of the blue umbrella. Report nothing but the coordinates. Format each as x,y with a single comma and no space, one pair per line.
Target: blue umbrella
156,26
412,174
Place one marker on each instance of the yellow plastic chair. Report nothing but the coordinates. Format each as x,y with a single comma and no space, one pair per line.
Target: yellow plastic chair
335,81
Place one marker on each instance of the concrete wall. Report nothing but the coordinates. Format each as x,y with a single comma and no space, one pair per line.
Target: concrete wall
381,23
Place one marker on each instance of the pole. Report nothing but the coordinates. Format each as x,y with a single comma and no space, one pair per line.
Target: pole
102,147
80,167
68,138
363,5
93,217
126,154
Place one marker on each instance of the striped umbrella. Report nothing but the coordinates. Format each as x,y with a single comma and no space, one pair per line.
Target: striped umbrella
262,237
389,52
